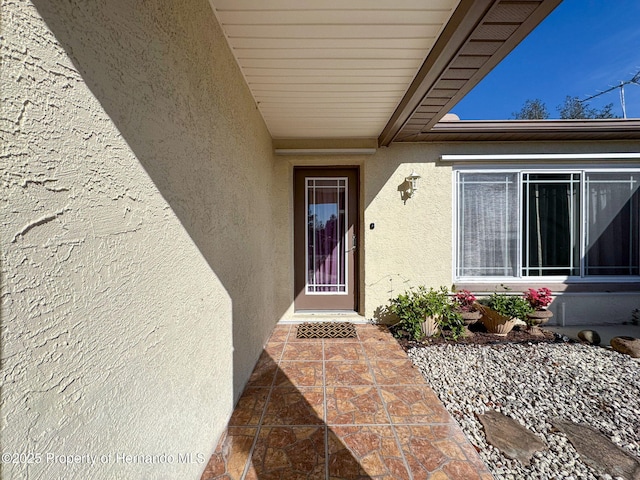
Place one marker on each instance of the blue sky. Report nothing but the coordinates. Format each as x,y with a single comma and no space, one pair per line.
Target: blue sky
581,48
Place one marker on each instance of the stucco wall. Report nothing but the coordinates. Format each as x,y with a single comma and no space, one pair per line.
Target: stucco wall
139,275
411,243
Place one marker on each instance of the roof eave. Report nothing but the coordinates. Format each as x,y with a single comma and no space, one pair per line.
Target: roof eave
530,130
469,23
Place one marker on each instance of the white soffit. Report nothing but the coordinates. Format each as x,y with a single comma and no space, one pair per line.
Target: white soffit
331,68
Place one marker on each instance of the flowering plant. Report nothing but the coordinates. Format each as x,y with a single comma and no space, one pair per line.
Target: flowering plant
464,300
538,299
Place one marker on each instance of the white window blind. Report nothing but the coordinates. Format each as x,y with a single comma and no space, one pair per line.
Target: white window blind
488,224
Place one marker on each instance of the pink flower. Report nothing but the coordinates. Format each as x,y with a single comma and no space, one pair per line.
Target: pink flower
538,299
465,300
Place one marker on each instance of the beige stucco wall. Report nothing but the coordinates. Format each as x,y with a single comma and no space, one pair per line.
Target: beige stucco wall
141,253
411,243
147,233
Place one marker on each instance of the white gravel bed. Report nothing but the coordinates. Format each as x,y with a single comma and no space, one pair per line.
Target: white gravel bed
535,384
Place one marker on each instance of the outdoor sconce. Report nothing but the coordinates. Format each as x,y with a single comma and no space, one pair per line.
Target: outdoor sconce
413,181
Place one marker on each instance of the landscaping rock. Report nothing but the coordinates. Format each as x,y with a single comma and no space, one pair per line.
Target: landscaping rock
628,345
559,338
535,383
589,336
508,436
599,452
519,323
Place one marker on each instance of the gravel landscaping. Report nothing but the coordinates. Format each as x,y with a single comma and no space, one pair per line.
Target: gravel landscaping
535,384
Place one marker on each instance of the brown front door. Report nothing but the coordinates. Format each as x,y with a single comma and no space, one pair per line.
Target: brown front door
325,238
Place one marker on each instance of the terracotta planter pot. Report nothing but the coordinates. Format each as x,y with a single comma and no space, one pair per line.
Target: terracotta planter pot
496,323
538,317
430,327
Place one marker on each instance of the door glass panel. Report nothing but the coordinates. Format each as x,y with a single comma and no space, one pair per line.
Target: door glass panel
326,202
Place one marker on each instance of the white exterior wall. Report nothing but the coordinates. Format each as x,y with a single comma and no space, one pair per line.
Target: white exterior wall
140,243
412,242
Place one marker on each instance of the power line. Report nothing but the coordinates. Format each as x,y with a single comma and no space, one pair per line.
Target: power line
633,80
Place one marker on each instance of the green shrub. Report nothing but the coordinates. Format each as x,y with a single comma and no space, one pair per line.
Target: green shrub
513,306
414,305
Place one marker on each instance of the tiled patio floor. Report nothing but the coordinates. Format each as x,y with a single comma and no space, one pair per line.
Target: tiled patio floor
341,408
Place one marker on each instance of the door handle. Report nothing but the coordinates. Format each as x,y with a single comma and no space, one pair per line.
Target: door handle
354,244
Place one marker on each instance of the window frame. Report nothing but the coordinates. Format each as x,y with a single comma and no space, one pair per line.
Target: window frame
521,170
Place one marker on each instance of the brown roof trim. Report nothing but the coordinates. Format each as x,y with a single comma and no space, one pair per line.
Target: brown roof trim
463,21
529,130
478,36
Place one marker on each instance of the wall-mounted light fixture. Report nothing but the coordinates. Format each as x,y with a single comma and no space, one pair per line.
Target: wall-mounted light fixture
413,181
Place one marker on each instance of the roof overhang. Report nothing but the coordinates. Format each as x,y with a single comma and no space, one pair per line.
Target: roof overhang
529,130
385,70
479,35
330,68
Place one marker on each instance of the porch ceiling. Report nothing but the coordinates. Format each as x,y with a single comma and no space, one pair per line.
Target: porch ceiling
385,69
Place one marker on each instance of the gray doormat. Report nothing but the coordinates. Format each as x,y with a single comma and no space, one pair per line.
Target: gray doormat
326,330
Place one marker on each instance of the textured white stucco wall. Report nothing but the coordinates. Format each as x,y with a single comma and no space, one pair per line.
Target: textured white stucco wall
411,243
140,249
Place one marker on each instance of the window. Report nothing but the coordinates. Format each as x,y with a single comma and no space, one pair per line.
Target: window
514,224
487,225
326,200
551,226
612,242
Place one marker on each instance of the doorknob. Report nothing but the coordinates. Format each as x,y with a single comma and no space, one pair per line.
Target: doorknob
354,244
